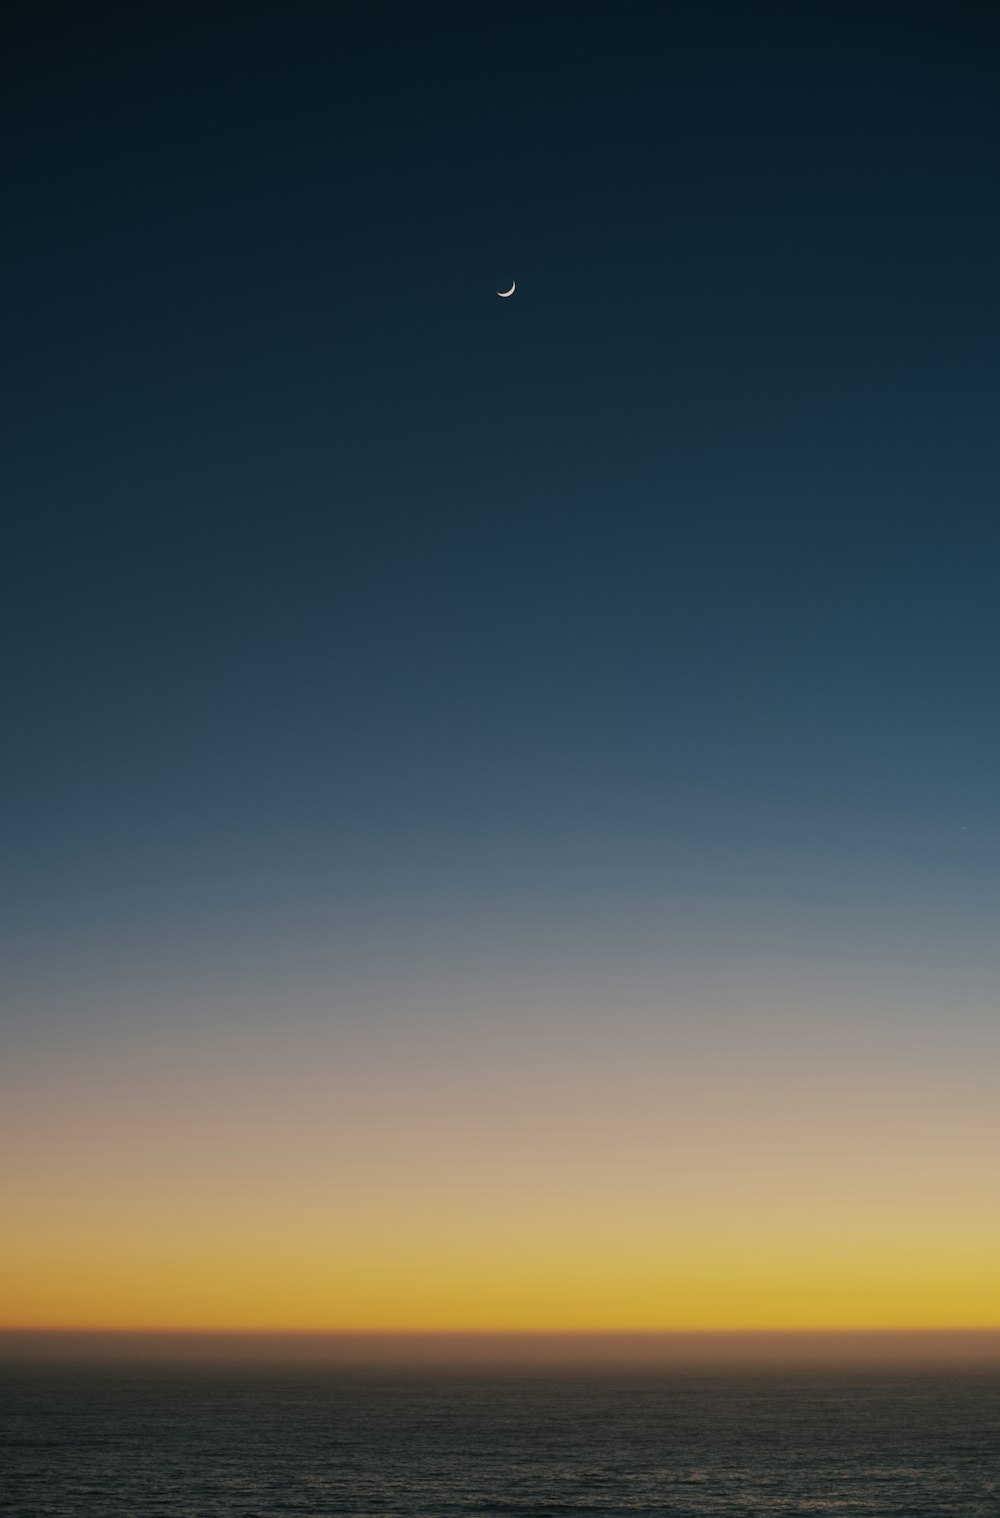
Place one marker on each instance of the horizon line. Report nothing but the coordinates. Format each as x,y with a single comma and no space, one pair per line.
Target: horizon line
388,1348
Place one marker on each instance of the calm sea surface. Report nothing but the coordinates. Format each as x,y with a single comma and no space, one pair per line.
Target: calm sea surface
208,1443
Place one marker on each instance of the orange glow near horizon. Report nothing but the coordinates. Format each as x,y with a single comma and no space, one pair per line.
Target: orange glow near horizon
465,1189
139,1293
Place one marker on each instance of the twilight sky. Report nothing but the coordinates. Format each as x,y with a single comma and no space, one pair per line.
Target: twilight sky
500,801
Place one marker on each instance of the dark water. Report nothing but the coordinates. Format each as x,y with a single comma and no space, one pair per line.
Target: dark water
201,1443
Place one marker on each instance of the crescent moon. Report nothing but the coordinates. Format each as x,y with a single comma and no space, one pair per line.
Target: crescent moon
503,294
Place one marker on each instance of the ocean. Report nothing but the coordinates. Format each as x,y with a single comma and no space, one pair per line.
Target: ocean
208,1442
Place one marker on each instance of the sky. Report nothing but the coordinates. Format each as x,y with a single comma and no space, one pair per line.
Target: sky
499,797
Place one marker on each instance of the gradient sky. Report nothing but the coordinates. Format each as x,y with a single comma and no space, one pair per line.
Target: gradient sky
500,797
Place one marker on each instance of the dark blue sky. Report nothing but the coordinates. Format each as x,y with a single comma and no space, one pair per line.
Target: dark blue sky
663,593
